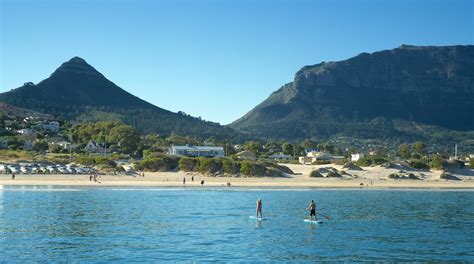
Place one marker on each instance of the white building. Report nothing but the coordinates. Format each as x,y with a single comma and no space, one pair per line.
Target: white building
197,151
313,156
25,131
357,156
66,145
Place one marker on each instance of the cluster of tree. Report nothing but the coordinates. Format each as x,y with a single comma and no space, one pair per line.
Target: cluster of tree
210,166
416,151
114,134
371,160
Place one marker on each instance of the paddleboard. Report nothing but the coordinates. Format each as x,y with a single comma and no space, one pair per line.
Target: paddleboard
314,222
257,218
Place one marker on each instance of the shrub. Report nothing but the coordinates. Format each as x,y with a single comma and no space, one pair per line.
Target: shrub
418,164
315,174
370,160
85,160
209,165
437,162
105,163
394,176
446,176
249,168
340,161
230,166
188,164
321,162
410,176
333,174
162,163
281,168
274,172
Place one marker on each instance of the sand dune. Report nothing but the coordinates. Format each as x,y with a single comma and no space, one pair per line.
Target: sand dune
370,177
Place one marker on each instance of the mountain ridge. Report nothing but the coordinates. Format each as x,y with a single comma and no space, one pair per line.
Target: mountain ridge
77,91
422,84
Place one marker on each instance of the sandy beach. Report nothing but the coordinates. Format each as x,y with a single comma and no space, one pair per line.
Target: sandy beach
371,177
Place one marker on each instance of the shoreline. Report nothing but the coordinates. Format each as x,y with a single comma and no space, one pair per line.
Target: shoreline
368,178
128,181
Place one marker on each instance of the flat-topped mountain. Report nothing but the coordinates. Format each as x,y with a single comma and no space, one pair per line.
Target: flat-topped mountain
370,95
77,91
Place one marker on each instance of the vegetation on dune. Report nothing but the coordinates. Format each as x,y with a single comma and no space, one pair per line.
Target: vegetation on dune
371,160
213,166
315,174
418,164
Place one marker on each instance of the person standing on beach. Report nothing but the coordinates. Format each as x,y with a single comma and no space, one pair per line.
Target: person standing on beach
192,178
312,208
184,180
13,176
202,182
259,208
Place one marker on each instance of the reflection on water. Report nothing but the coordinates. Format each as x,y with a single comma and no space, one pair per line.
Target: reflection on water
58,224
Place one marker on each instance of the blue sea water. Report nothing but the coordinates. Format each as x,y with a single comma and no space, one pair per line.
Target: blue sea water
192,224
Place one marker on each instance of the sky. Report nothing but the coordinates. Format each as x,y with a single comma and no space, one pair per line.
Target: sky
213,58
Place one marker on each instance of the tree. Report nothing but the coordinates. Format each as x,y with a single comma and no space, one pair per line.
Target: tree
326,147
287,148
437,162
252,146
55,148
15,143
419,147
404,151
273,146
126,137
309,144
299,150
40,146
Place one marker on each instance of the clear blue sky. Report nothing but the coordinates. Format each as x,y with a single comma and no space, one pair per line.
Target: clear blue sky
214,59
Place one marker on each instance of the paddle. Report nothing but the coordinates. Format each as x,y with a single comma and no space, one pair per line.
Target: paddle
327,217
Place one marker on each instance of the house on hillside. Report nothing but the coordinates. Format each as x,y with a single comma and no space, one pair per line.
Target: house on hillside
197,151
246,155
93,147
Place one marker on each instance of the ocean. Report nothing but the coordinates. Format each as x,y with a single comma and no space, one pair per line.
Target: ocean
70,224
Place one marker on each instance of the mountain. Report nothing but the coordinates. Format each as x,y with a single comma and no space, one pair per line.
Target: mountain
410,92
77,91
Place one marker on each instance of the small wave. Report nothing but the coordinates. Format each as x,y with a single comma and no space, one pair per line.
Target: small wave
39,188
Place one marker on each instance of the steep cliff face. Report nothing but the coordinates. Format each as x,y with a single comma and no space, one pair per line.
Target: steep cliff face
425,85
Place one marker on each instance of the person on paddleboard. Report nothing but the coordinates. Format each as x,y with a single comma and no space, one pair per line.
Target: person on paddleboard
312,208
259,208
